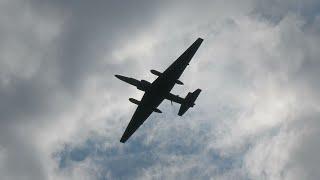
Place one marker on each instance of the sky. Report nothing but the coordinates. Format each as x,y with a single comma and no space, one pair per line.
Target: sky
62,111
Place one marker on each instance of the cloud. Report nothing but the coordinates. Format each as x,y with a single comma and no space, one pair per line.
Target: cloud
63,112
50,55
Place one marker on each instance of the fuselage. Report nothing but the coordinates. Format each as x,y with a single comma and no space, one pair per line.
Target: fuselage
157,92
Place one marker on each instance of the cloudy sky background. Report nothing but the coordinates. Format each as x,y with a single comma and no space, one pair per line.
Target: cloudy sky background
62,112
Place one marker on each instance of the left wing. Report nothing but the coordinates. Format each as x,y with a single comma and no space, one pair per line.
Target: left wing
139,116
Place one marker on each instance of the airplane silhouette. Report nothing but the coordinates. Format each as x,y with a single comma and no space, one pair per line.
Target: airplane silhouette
159,90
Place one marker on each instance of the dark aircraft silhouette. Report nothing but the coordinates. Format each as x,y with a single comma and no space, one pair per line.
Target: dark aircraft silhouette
159,90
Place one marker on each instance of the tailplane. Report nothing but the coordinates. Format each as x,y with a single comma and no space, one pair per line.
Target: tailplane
189,101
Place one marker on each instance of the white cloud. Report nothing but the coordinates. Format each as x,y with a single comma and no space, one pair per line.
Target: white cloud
256,117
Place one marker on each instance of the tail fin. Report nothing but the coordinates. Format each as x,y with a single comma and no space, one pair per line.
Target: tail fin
189,101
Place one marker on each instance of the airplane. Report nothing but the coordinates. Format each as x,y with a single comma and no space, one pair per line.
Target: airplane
159,90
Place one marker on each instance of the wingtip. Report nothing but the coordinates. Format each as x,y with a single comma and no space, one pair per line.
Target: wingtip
200,39
123,140
120,77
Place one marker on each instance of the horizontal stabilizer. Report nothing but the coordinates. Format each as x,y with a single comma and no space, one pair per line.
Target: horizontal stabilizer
189,101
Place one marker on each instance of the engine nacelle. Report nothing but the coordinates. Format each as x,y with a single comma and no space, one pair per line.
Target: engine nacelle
155,72
134,101
144,85
179,82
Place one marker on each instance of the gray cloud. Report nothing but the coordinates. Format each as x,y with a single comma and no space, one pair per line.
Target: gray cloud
62,112
49,50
